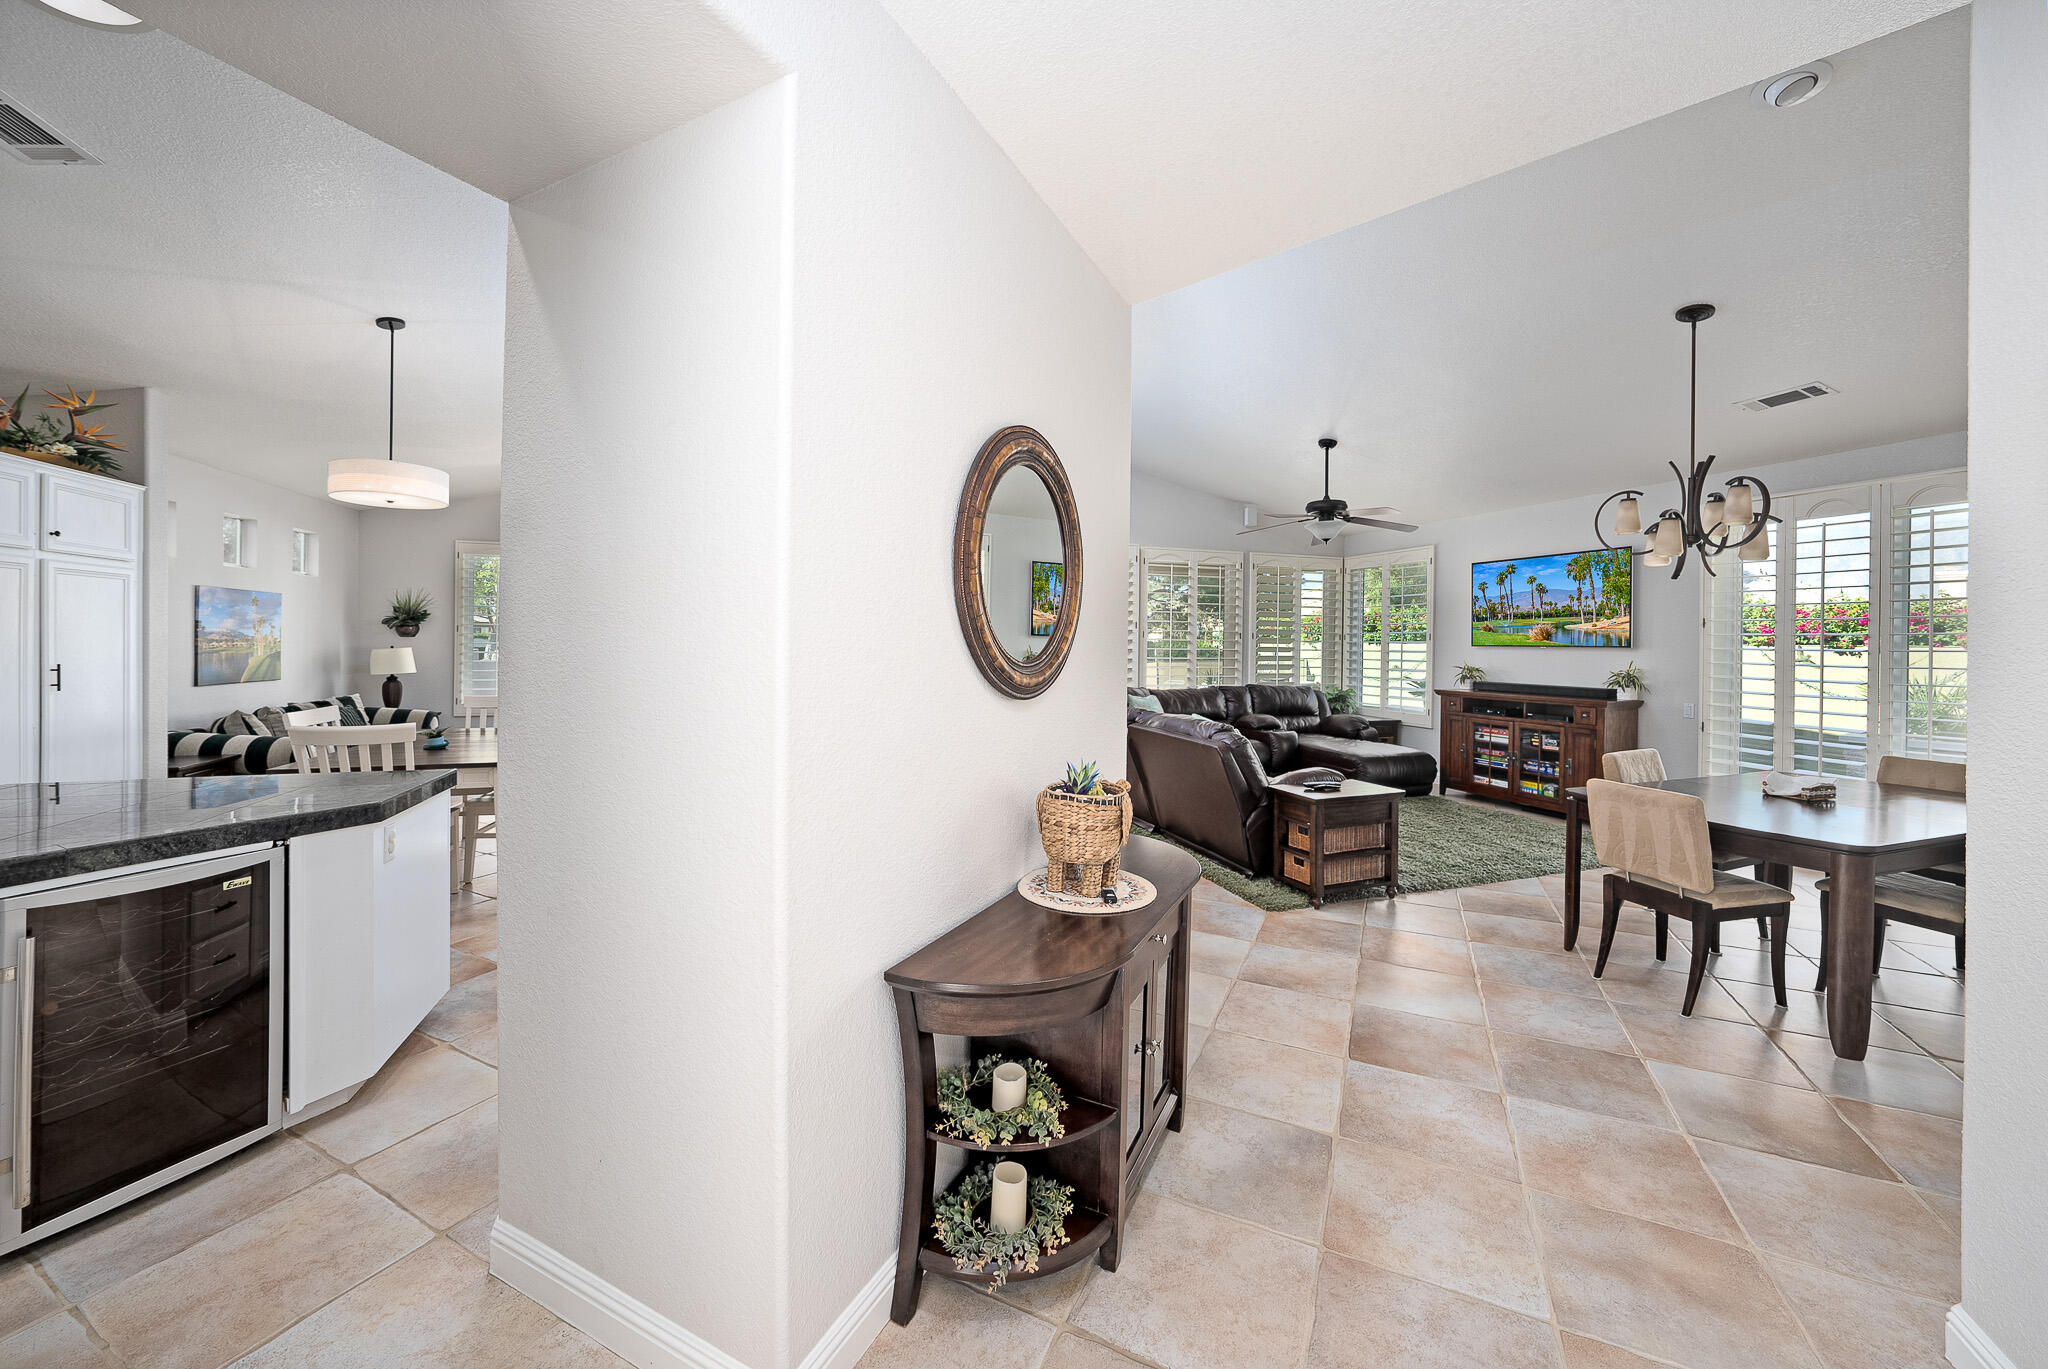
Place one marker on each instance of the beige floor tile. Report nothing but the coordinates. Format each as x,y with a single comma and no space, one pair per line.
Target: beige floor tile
1864,1227
130,1239
1893,1079
438,1308
1416,950
468,1007
1370,1318
1450,997
1205,996
1272,1080
55,1342
1937,1033
24,1296
446,1172
1527,933
1283,1015
1555,971
1798,1123
1948,1207
1858,1325
1655,988
1201,1291
1198,1037
483,1045
1328,973
1707,1043
1576,1021
1209,953
955,1325
1927,1151
473,1233
1749,966
1629,948
1661,1292
472,920
1407,915
1928,992
1073,1352
1580,1353
1452,1123
463,966
1806,1014
1642,1171
422,1084
1051,1297
1574,1077
1535,905
1312,930
1433,898
1254,1168
1238,921
1440,1223
239,1287
483,945
487,885
1531,885
1457,1051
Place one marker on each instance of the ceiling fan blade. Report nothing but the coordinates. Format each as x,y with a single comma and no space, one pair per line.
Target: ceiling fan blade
1380,523
1270,526
1378,511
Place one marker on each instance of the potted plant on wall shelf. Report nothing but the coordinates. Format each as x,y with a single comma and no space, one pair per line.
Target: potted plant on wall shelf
408,610
87,447
1627,682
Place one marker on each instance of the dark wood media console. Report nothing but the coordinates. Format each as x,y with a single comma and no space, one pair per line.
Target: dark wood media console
1528,748
1103,1000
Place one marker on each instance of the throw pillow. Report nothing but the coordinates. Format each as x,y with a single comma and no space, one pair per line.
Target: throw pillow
351,707
1146,702
272,718
240,724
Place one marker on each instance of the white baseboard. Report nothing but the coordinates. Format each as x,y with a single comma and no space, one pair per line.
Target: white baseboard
849,1337
616,1320
632,1330
1969,1347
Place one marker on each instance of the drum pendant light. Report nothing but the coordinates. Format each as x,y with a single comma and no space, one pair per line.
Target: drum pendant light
390,483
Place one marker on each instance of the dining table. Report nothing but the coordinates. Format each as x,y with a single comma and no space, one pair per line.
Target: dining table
1867,830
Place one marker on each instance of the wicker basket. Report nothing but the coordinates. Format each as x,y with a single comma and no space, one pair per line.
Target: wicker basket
1084,832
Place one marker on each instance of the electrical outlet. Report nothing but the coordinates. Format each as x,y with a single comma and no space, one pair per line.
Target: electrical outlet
1688,710
390,842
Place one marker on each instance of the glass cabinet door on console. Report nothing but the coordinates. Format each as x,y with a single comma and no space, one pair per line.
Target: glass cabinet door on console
1540,761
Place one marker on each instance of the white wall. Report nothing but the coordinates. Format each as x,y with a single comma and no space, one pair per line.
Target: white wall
415,549
2005,1130
320,657
1165,514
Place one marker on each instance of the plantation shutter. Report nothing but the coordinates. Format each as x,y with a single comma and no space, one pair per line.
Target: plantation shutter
476,621
1387,630
1134,620
1365,655
1188,611
1929,622
1296,629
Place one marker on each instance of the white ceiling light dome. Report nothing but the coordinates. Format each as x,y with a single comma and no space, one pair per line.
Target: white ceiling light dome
95,14
389,483
1793,87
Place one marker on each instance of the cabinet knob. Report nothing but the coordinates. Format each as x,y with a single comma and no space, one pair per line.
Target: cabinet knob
55,533
1159,937
1152,1047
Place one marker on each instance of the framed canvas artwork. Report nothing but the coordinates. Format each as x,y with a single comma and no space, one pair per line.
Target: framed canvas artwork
237,635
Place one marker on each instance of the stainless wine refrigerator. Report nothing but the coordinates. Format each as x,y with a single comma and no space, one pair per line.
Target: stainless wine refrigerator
143,1034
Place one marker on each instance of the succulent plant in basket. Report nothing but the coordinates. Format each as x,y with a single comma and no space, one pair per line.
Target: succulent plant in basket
1084,820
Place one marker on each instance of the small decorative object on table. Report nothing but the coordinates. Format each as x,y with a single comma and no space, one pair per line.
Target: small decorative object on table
1469,675
977,1244
437,737
1037,1115
1084,821
1628,682
1783,784
408,611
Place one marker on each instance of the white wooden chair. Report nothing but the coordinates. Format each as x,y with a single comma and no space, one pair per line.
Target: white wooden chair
324,749
329,716
480,710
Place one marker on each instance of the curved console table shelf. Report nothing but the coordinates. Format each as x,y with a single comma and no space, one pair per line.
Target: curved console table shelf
1103,1001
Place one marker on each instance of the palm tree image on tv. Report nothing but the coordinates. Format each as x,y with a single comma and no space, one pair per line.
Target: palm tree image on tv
1048,583
1571,599
237,635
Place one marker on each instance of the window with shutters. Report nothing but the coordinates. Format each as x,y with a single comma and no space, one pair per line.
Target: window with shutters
1848,643
1186,615
476,621
1296,622
1386,636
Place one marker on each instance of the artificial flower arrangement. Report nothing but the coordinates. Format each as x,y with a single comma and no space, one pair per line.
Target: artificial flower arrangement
86,446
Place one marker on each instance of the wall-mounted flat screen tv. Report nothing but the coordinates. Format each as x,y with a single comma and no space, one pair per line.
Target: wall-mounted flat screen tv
1574,598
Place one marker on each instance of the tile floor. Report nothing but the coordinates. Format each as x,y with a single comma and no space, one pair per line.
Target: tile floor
356,1239
1420,1135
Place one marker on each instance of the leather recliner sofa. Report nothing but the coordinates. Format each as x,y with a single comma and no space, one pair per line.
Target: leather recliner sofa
1201,781
1292,726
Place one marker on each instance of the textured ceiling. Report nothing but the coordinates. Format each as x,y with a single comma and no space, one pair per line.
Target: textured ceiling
1180,138
1512,341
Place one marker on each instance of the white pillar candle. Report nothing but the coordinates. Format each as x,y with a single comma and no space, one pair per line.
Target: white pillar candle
1006,1204
1007,1091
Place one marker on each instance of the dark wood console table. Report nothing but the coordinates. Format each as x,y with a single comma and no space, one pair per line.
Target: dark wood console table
1103,1000
1528,748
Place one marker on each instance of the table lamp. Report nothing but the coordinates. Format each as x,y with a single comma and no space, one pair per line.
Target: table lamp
392,662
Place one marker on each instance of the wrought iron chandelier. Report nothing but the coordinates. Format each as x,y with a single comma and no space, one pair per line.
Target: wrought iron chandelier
1706,521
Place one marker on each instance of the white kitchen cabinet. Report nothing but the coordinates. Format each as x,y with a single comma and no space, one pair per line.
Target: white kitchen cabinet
90,515
20,705
17,502
91,721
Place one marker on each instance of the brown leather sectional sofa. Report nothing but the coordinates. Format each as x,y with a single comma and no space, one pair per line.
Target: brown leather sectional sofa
1292,726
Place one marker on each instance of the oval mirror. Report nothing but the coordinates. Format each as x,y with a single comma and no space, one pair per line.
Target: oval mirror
1017,563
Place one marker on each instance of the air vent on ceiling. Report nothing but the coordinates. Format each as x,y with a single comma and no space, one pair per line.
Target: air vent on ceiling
29,139
1784,397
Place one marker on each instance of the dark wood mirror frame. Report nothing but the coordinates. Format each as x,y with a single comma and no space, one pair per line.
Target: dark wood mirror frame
1007,450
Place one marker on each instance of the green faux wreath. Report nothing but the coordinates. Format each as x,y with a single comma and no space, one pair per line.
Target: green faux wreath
1038,1116
961,1219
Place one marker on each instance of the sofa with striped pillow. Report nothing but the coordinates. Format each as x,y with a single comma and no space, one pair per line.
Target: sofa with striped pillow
257,745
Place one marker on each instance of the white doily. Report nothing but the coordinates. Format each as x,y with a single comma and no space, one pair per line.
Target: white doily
1132,891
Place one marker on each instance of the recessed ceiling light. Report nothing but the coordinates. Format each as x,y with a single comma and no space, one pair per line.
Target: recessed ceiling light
1792,87
96,14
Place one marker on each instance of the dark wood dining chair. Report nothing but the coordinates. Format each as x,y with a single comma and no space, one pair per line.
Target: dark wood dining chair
1654,843
1950,777
1914,899
1645,765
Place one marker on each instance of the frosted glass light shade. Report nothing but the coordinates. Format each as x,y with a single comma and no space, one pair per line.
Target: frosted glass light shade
1758,548
1324,529
1713,514
1656,558
1667,539
1741,505
1628,518
392,660
384,484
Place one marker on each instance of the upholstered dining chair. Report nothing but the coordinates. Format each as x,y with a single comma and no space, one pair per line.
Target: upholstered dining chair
1654,843
1949,777
1914,899
380,746
1645,765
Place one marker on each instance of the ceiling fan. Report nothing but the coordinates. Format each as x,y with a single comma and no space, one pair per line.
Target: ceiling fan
1326,517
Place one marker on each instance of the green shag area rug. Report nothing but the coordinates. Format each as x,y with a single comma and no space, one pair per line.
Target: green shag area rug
1445,844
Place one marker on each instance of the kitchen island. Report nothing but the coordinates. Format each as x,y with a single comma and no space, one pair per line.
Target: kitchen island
187,965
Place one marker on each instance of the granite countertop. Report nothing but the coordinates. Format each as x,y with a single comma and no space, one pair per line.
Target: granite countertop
54,831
